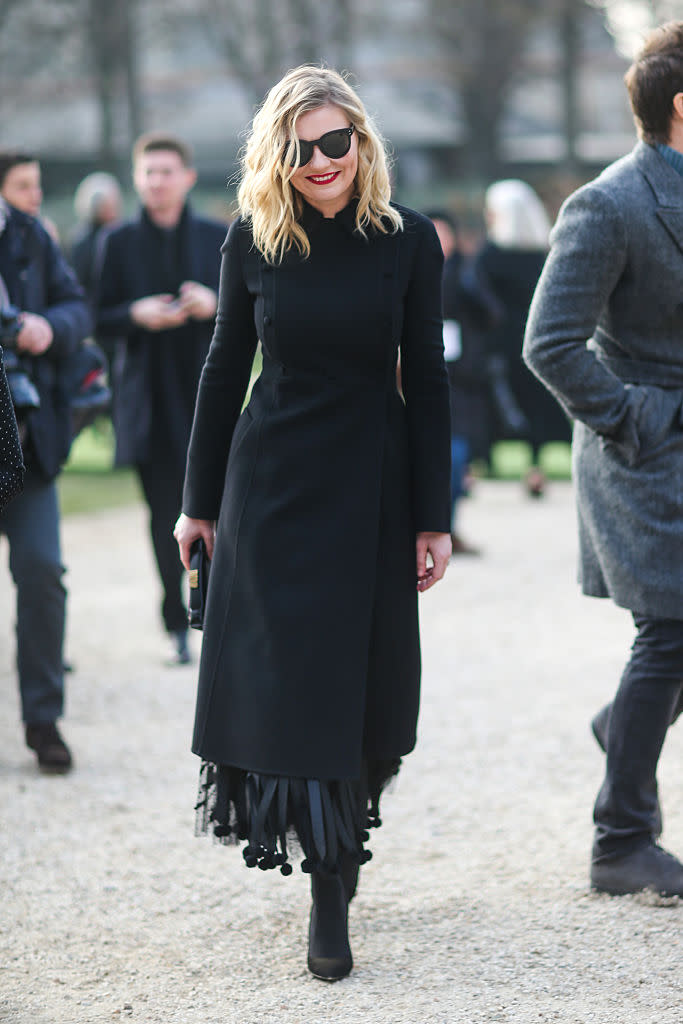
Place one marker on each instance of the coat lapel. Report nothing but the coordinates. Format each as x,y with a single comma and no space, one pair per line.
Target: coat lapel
673,222
667,186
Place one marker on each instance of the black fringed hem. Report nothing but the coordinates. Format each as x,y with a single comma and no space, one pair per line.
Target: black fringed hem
328,819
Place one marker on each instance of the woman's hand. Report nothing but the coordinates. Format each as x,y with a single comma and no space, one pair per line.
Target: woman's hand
439,547
188,530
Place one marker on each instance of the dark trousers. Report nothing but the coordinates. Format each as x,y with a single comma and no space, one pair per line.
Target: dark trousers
460,457
642,710
31,523
162,486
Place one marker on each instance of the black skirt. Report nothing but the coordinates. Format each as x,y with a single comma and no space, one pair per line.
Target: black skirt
326,819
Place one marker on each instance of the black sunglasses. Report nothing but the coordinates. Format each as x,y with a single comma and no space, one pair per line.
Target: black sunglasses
333,145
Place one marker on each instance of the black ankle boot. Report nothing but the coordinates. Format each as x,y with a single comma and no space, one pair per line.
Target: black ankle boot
329,953
348,869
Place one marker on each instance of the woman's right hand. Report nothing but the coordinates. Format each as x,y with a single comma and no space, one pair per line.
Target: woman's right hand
188,530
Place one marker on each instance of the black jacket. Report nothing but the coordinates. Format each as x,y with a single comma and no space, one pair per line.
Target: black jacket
468,302
39,280
512,275
126,274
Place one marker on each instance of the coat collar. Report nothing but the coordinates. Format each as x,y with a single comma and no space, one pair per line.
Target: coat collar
667,185
189,244
312,219
146,220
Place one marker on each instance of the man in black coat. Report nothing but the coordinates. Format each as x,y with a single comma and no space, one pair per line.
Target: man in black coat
157,294
53,318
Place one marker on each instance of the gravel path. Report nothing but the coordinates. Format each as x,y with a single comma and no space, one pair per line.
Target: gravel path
476,906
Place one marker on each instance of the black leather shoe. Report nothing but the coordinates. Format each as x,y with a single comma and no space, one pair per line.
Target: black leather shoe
599,727
54,757
329,953
648,867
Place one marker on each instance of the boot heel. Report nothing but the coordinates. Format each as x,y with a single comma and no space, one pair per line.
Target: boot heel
329,953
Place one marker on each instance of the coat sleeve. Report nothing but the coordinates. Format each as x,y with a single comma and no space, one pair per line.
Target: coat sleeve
67,308
11,464
223,384
112,318
425,385
588,255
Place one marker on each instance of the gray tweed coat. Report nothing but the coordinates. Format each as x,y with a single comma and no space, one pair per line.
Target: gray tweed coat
605,334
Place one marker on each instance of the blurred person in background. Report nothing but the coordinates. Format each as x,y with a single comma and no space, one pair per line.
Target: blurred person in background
605,334
327,497
11,461
21,186
98,204
45,317
157,288
510,263
468,311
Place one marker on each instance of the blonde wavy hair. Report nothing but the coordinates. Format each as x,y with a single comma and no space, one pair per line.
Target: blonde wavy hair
266,196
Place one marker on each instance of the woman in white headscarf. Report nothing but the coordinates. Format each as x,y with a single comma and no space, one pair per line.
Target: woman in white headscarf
510,262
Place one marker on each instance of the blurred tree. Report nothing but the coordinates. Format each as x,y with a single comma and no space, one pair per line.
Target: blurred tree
260,40
6,6
484,42
111,56
34,40
64,40
569,28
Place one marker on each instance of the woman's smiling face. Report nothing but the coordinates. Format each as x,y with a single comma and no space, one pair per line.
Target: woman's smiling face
327,184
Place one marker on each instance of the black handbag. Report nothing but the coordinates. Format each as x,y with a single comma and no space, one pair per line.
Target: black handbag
199,582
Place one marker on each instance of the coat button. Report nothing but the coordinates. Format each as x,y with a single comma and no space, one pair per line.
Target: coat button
267,321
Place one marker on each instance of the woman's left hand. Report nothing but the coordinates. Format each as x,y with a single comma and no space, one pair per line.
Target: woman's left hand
439,547
188,530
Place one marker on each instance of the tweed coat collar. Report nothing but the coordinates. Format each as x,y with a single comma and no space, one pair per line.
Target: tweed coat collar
667,186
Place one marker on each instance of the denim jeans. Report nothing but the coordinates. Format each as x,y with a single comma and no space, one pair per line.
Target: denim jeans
31,523
460,455
641,713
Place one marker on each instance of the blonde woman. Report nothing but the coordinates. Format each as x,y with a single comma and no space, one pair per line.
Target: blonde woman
324,504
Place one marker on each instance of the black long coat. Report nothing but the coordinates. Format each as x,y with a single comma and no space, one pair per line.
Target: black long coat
127,273
311,655
512,275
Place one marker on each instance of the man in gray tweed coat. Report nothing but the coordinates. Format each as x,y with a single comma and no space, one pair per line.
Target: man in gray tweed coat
605,334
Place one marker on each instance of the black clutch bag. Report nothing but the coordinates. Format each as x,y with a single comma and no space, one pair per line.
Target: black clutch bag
199,582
